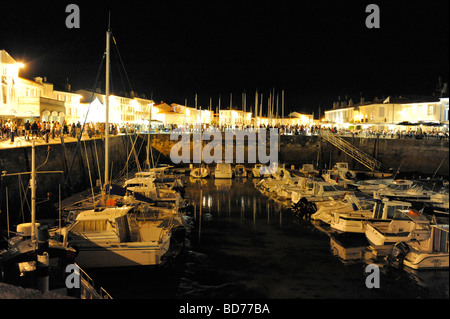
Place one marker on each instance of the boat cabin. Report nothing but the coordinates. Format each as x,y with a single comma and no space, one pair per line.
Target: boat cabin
385,209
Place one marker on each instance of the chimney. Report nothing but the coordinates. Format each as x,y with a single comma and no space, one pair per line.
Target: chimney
350,102
361,101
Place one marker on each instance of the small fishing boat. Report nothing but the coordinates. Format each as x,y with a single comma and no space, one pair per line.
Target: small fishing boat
240,171
339,174
223,170
200,172
308,169
260,170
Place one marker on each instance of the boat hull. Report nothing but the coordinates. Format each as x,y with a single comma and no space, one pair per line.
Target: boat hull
219,174
355,225
122,255
426,261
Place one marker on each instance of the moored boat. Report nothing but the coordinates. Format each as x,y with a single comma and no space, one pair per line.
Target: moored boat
406,225
223,170
431,253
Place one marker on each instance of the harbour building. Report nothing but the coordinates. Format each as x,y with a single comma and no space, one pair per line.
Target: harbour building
389,113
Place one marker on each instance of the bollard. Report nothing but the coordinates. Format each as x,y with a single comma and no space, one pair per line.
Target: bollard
46,137
43,272
12,136
42,238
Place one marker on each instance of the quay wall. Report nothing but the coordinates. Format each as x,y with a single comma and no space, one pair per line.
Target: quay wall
410,155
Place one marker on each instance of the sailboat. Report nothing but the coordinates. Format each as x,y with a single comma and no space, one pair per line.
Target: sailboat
123,231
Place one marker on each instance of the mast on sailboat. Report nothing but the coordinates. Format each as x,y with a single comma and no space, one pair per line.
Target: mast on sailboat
108,36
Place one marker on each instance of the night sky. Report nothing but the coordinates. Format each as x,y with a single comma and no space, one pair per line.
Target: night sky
317,51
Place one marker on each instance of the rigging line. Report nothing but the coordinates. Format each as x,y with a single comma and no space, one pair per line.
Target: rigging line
128,158
120,74
89,170
120,58
98,163
45,162
84,123
21,198
134,152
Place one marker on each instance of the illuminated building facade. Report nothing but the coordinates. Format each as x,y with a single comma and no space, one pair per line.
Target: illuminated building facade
390,112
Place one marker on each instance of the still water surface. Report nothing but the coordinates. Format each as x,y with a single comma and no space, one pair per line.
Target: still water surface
243,245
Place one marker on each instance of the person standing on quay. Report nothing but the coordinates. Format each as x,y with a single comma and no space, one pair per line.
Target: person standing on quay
27,130
34,129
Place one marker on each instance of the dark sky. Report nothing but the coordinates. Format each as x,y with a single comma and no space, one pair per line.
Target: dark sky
315,50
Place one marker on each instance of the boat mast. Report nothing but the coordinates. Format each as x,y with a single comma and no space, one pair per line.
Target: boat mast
107,105
33,193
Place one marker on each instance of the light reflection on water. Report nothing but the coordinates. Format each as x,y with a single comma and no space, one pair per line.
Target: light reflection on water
241,244
292,258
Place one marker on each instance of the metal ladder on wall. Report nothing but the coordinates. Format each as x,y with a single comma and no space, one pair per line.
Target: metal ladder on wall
351,150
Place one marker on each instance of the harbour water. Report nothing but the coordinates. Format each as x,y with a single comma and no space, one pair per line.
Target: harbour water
241,244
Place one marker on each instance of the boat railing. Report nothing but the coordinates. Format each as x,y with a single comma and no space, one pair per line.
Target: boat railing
169,225
88,290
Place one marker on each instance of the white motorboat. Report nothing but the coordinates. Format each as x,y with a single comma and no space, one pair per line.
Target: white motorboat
431,253
147,187
440,202
284,190
326,210
223,170
317,191
271,185
405,190
240,171
123,236
281,173
200,172
260,170
156,172
308,169
369,186
339,174
406,225
376,212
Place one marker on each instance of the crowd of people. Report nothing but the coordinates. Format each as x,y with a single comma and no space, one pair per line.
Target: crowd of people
300,129
50,130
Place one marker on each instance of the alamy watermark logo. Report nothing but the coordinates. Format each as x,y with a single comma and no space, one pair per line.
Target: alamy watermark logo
220,147
73,19
373,19
373,278
73,279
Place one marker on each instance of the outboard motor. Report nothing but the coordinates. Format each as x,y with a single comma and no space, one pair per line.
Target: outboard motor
304,209
398,254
